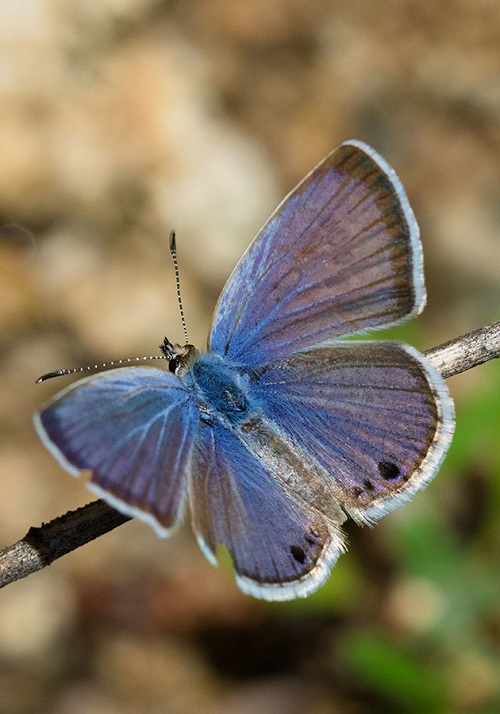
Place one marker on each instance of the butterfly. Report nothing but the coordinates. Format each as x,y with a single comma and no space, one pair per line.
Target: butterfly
280,430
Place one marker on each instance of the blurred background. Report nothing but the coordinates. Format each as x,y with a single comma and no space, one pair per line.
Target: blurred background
122,119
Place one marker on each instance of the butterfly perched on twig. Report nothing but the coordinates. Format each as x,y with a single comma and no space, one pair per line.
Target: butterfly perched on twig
280,430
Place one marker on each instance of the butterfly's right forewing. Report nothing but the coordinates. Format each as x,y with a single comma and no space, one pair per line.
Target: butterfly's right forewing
341,254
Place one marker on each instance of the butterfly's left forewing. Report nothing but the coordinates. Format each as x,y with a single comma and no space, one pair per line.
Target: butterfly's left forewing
133,428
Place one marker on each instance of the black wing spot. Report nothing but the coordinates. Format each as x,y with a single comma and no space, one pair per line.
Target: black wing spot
389,470
357,491
313,538
298,553
368,485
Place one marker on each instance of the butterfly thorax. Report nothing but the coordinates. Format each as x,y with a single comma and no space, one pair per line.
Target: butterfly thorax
221,391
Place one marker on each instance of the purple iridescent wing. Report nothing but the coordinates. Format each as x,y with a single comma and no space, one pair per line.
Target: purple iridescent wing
375,418
280,548
133,428
340,254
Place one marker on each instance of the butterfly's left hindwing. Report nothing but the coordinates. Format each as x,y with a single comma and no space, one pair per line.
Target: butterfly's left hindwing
134,429
280,549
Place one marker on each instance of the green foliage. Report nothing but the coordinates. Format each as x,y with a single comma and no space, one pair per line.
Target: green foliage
396,673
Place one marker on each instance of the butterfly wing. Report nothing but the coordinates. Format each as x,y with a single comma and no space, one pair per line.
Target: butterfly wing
340,254
375,417
280,549
133,428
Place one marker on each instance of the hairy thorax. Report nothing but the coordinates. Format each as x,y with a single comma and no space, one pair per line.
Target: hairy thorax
221,391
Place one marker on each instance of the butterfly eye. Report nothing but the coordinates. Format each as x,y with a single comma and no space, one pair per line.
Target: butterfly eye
180,357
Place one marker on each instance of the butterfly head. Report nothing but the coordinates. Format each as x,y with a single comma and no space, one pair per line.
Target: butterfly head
180,357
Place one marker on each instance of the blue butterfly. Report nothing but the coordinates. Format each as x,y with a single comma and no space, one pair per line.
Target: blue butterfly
279,431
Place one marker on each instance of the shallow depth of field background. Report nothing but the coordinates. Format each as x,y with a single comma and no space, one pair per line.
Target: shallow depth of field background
121,119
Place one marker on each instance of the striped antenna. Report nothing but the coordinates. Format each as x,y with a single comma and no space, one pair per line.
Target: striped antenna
111,363
173,252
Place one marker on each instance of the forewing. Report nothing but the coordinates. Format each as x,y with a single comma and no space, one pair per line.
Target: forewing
133,428
376,417
340,254
280,549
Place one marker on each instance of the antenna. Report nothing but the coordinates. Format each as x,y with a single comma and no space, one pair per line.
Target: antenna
173,252
110,363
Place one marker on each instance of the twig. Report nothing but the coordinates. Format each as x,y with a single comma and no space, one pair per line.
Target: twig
468,351
41,546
